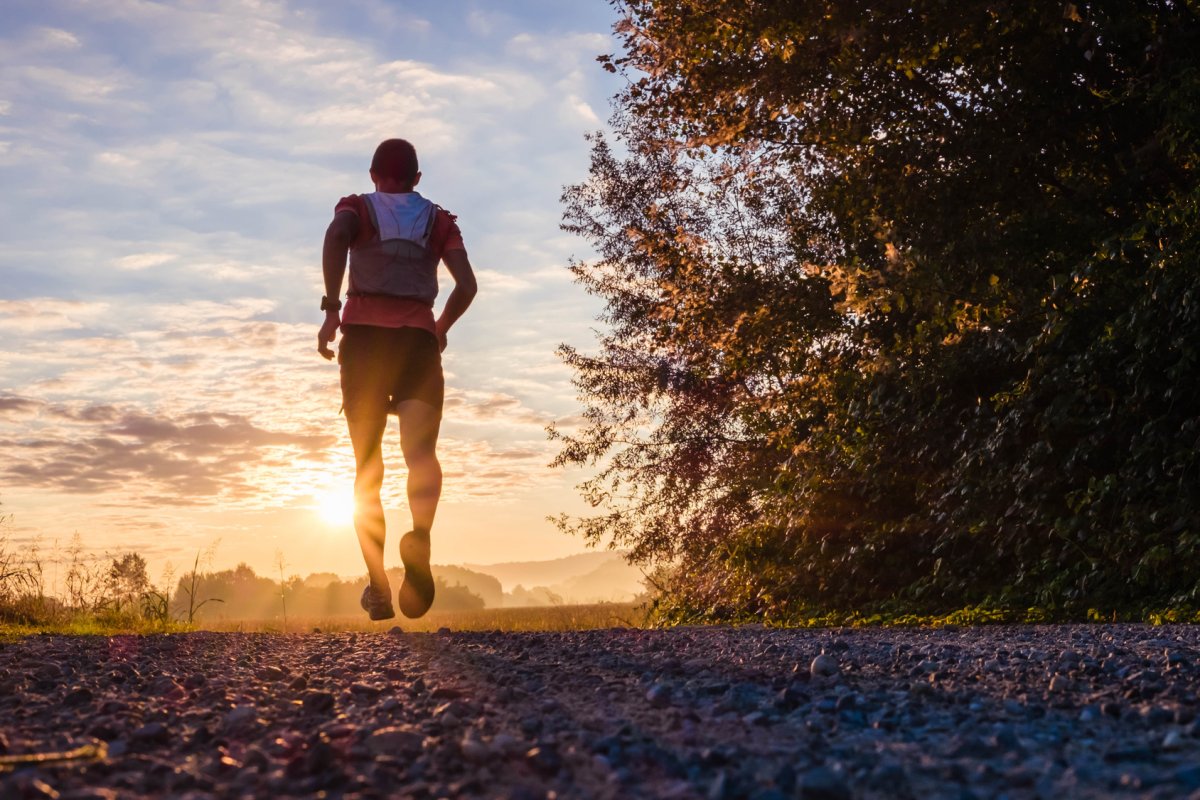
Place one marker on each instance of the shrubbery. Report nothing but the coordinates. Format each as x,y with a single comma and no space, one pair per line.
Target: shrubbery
901,306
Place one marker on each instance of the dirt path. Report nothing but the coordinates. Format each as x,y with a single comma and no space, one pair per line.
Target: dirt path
697,712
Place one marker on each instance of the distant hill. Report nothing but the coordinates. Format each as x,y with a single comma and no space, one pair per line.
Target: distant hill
486,586
614,580
593,577
544,573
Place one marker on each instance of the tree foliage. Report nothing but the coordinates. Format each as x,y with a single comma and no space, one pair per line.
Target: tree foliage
900,303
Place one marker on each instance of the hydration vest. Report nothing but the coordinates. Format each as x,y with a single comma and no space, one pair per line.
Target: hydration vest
397,260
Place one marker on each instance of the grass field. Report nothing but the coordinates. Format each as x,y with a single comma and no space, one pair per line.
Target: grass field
537,618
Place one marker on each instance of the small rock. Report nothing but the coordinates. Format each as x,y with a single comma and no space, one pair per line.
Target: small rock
452,713
321,757
720,788
1189,777
1158,715
151,733
1175,658
395,630
474,751
271,674
256,759
1060,683
395,741
78,697
1172,741
822,783
237,717
505,744
298,684
446,693
659,695
544,759
318,702
824,666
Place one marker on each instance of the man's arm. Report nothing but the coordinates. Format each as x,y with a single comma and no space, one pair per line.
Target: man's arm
338,236
464,292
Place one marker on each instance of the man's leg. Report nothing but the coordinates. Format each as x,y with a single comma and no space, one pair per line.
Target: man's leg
419,425
366,434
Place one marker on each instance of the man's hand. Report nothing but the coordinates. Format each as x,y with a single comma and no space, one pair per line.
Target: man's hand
464,292
328,334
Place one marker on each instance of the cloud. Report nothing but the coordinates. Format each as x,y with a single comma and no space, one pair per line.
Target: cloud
185,460
139,261
169,172
46,314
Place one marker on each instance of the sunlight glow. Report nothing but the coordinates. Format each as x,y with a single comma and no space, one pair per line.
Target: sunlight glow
336,506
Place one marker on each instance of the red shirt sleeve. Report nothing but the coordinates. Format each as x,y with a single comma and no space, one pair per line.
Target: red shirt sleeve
446,235
358,206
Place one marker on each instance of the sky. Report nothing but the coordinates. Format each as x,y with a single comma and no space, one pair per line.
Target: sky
169,169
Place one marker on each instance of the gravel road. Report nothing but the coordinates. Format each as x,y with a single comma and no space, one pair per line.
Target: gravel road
1046,712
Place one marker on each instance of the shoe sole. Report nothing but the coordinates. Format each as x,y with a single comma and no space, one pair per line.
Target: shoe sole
416,593
375,616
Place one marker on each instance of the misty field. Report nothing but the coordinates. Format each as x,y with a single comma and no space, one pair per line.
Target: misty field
534,618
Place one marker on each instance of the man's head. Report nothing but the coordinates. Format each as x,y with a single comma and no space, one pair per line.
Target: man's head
394,167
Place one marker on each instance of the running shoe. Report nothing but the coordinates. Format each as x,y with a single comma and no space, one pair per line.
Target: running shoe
377,604
416,593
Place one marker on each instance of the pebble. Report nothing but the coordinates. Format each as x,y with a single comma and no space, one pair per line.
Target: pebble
318,702
395,741
822,783
824,666
475,751
544,759
659,695
239,717
687,712
152,732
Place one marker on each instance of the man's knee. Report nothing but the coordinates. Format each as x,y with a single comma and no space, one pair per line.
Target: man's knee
368,481
421,458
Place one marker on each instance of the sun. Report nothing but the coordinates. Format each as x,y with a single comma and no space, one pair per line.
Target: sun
336,506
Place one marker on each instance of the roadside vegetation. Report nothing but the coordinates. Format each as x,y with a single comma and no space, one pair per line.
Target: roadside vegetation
113,594
900,309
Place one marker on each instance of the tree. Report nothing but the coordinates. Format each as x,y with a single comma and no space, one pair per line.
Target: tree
127,581
897,303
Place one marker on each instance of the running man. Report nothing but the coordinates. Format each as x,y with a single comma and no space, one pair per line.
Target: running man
390,354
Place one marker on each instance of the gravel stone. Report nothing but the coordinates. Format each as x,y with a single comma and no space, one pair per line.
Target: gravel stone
689,712
318,702
395,741
822,783
659,695
824,666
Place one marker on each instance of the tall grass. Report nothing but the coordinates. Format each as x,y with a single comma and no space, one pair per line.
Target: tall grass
108,595
532,618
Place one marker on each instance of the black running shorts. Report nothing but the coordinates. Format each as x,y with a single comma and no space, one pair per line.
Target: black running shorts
384,366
